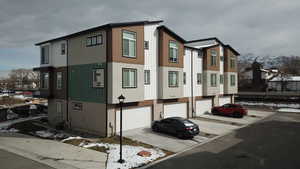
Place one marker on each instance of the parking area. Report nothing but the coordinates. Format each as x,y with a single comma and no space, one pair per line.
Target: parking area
210,127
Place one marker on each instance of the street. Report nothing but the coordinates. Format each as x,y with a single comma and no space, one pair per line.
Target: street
13,161
272,143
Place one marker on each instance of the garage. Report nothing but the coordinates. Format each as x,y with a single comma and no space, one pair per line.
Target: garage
203,106
175,110
134,118
224,100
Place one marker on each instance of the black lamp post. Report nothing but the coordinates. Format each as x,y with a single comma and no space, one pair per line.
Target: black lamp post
121,101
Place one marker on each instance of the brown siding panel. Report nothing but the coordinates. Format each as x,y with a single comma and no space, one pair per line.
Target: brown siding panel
164,39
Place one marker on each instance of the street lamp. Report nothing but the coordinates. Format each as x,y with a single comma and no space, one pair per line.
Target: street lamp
121,101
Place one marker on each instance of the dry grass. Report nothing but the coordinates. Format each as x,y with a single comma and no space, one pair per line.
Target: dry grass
10,101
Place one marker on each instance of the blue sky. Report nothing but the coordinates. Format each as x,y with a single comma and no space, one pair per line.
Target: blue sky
261,27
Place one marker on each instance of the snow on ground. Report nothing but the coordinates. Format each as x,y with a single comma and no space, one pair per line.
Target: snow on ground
50,134
11,115
11,130
71,138
132,160
289,110
11,122
279,105
130,156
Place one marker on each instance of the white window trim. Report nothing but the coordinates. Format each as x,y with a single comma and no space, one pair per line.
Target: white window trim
101,82
59,86
135,78
130,39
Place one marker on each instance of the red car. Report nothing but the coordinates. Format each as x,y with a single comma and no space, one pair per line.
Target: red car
233,110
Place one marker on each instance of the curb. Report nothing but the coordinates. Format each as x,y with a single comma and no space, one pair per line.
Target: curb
207,141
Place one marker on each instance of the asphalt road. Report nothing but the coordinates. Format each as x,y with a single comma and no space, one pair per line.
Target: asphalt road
13,161
273,143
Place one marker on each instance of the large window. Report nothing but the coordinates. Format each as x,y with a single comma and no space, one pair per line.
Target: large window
199,78
213,80
98,78
94,40
129,78
59,80
173,51
232,80
147,77
129,44
232,62
45,55
45,81
173,79
213,57
221,79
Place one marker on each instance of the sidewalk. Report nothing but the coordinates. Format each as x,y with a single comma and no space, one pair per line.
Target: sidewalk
55,154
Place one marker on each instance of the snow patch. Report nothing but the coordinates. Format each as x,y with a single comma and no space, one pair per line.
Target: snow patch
289,110
50,134
11,130
279,105
71,138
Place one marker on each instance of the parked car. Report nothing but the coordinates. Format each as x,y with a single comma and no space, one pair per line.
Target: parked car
233,110
180,127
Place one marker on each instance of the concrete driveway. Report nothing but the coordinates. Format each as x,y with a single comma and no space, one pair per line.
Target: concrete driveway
163,141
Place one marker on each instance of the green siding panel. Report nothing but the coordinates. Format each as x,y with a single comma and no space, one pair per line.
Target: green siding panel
81,83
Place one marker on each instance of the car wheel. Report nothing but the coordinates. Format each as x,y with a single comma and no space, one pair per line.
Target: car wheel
180,135
155,128
237,115
214,112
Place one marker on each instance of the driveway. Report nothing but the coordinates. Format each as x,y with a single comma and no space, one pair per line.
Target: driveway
163,141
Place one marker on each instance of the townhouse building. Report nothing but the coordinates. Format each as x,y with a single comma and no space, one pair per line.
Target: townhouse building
159,73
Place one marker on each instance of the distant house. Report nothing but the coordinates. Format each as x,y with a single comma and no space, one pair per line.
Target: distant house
287,83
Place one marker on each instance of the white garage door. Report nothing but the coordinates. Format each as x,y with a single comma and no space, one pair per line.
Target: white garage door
203,106
224,100
134,118
175,110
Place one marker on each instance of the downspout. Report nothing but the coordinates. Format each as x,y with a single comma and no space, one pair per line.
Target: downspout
67,84
192,84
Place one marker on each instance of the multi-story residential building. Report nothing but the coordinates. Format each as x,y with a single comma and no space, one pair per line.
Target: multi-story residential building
159,73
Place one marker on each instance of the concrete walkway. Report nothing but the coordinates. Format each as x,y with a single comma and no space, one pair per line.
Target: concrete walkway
214,127
52,153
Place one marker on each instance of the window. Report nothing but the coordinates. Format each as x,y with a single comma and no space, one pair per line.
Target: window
45,81
232,80
221,79
94,40
222,58
200,54
146,45
63,49
199,78
232,63
58,107
173,79
45,55
184,78
129,78
59,80
213,80
98,78
173,51
77,106
129,44
147,77
213,59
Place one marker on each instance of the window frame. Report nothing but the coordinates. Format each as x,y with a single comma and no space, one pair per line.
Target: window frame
213,83
59,86
177,52
221,79
146,45
184,78
232,62
45,57
199,78
147,77
60,106
232,80
135,77
91,38
177,79
135,46
43,80
94,79
213,58
63,48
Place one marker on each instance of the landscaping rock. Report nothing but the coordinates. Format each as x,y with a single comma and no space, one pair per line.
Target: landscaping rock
144,153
